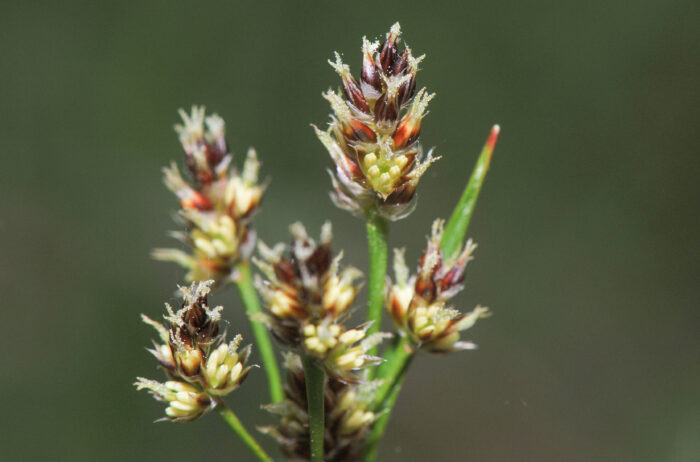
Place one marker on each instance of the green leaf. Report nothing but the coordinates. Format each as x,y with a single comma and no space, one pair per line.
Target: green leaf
456,229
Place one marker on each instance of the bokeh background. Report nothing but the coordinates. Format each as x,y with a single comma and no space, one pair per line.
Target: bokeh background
587,223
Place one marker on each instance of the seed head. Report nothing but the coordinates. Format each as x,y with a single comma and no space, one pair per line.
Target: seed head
217,206
373,133
417,304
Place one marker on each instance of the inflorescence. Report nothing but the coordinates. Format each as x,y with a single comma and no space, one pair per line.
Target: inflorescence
417,303
308,301
308,296
373,133
218,203
195,356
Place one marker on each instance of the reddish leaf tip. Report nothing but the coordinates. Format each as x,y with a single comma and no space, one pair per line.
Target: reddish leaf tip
493,137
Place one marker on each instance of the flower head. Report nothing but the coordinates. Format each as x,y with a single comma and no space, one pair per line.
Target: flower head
217,205
374,129
308,299
195,355
417,303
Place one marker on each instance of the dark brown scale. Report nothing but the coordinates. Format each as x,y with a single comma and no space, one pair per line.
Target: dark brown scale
208,333
221,147
357,131
354,94
407,133
426,289
285,271
370,73
400,63
401,195
196,317
180,335
320,260
453,277
294,260
212,154
412,138
203,400
386,110
406,91
200,177
387,56
354,168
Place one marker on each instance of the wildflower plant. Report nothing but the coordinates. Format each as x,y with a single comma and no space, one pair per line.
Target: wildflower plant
339,389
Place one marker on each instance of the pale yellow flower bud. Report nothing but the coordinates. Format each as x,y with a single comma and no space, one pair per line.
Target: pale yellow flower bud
225,368
185,401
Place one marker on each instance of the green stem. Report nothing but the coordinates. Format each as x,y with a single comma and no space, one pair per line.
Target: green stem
386,398
237,426
315,397
388,355
456,228
262,337
377,233
398,358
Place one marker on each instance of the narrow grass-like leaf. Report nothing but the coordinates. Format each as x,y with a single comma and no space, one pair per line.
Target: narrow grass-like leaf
456,229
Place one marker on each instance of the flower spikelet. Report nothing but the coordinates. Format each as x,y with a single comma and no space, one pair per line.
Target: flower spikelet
343,352
308,299
417,303
195,355
373,134
348,417
217,205
185,402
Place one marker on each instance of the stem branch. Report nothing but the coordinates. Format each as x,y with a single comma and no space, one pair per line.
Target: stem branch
237,426
387,395
397,360
262,337
377,233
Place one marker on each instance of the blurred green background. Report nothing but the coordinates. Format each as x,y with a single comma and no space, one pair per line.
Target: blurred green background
587,224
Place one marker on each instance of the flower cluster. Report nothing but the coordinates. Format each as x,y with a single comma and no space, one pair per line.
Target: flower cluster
417,304
308,300
373,134
348,418
331,401
196,357
218,204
